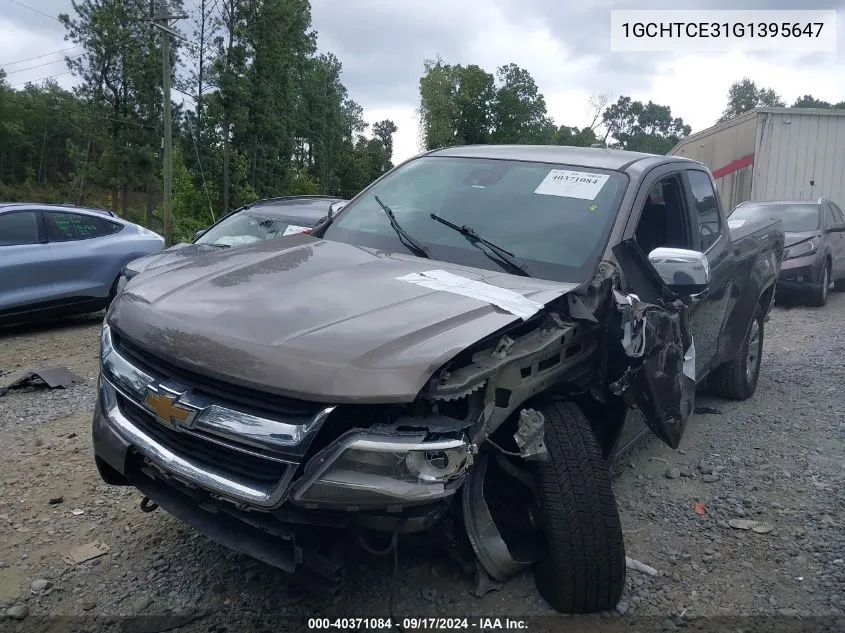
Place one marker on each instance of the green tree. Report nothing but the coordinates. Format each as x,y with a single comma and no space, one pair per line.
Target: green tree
808,101
643,127
745,95
518,110
454,104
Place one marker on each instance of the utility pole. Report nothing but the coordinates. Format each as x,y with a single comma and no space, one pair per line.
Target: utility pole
162,23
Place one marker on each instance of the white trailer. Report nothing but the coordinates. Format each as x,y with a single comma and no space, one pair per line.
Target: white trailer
774,154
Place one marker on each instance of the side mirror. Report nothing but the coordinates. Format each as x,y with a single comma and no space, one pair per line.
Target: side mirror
200,233
684,271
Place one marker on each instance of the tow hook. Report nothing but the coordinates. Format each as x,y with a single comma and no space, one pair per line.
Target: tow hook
148,505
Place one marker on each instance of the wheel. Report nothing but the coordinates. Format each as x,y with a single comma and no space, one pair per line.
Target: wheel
818,298
737,379
584,571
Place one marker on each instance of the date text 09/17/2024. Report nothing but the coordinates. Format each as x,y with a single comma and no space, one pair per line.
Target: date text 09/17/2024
421,624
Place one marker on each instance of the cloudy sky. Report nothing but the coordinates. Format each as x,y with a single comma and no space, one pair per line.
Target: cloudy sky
565,46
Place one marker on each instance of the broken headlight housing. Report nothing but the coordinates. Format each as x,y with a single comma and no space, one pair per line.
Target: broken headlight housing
801,249
367,470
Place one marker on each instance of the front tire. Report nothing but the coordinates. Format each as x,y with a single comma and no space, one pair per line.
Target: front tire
584,571
819,296
737,380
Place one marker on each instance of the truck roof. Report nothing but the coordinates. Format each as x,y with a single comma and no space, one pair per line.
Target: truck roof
595,157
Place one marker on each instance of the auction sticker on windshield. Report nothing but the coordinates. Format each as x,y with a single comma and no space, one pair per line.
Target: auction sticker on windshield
572,184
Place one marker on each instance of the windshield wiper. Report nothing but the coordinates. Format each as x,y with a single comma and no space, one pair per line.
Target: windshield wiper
501,255
416,247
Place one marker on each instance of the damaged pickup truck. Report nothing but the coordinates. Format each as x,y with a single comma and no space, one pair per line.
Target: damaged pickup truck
459,346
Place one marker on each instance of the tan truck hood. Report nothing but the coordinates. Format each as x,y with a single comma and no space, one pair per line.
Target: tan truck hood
312,319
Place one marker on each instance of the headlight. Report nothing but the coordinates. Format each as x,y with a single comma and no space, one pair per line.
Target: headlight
800,250
369,470
105,342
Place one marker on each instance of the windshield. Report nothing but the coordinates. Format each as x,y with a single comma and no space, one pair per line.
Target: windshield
246,227
796,218
555,218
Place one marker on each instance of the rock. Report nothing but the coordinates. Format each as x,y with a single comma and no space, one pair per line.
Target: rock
672,473
41,584
622,608
141,603
705,469
710,479
669,625
17,612
788,613
686,472
89,606
428,593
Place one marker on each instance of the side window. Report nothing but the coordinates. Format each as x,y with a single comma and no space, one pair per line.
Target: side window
837,214
707,207
663,219
67,227
18,228
829,219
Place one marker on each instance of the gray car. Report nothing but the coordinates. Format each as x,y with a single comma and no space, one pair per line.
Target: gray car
255,222
815,245
61,259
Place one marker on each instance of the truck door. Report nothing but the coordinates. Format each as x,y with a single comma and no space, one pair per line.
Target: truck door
710,236
654,323
836,239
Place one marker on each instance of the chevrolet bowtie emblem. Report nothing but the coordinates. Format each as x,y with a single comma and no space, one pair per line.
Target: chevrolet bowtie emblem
167,409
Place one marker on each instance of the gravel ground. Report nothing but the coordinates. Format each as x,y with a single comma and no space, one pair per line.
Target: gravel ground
776,459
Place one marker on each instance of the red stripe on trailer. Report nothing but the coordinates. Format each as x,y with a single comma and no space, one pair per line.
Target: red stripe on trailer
736,165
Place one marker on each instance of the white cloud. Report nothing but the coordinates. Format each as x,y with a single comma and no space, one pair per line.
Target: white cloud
20,45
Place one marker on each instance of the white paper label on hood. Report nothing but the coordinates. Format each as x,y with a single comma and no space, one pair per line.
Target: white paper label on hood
572,184
292,228
237,240
508,300
735,224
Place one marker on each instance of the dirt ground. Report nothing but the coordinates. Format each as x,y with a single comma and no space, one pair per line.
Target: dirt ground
776,459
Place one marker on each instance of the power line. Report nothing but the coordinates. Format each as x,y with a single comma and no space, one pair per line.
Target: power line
56,61
32,81
29,59
26,6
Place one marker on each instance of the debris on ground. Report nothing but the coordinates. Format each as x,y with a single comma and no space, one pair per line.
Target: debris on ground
484,584
747,524
86,552
55,501
705,410
700,510
57,377
40,584
17,612
636,565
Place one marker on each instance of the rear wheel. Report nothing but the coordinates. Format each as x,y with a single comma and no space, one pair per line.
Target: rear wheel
584,571
737,379
819,295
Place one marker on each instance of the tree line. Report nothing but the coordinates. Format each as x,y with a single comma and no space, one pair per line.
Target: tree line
257,112
465,104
